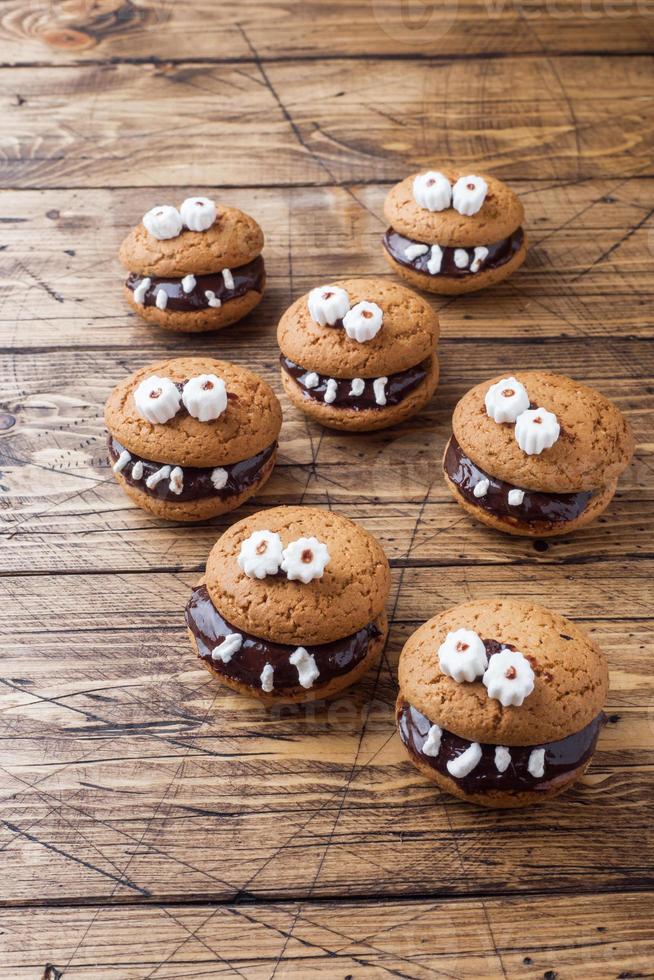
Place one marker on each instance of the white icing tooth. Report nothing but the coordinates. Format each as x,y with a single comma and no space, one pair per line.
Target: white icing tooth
480,254
121,462
432,191
536,764
311,380
267,678
357,387
331,391
176,484
198,213
461,258
435,260
261,554
219,477
469,194
161,299
481,488
502,758
157,477
212,299
509,678
462,655
536,429
432,744
328,304
228,279
463,765
506,400
163,222
363,321
229,646
516,497
305,559
307,670
140,290
137,470
205,397
157,399
413,251
188,283
379,388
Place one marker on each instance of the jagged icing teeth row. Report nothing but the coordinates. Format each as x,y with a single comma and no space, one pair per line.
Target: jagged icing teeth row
188,284
301,659
464,764
461,257
174,474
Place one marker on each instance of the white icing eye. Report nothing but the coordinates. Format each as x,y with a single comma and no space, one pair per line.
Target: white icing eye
305,559
536,429
205,397
469,194
157,399
505,400
363,321
328,304
198,213
509,678
307,669
163,222
432,191
462,655
260,554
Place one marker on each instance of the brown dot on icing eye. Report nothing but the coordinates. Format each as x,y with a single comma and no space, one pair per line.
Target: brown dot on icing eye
307,556
261,547
461,647
366,313
508,393
470,187
510,673
431,182
327,295
207,386
199,204
155,392
538,420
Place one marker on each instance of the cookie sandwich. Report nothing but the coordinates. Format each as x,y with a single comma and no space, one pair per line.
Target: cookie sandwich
195,268
500,701
536,454
359,354
453,233
291,607
192,437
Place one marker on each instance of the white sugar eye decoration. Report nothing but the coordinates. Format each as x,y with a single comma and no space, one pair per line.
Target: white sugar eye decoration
469,194
363,321
505,400
157,399
163,222
205,397
328,304
462,655
304,560
198,213
261,554
536,429
509,678
432,191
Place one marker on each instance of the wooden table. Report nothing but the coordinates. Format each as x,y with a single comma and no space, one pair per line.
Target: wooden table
152,824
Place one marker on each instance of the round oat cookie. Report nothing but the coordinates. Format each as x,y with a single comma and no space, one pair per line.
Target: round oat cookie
594,447
571,680
234,239
250,423
499,216
350,594
408,335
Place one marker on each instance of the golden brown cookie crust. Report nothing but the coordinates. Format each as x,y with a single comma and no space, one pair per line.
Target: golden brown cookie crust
453,286
213,318
511,525
594,447
368,420
409,333
250,423
202,509
234,239
499,216
571,675
319,692
351,593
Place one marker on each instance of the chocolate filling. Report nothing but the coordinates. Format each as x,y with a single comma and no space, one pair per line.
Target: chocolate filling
540,508
197,480
561,758
210,629
396,389
246,278
498,254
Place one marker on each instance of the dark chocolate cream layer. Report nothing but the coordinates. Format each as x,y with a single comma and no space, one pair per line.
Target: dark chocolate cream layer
536,508
560,759
246,278
247,663
212,481
498,254
397,386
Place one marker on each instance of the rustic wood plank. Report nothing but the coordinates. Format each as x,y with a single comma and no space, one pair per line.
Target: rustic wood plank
94,125
590,938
